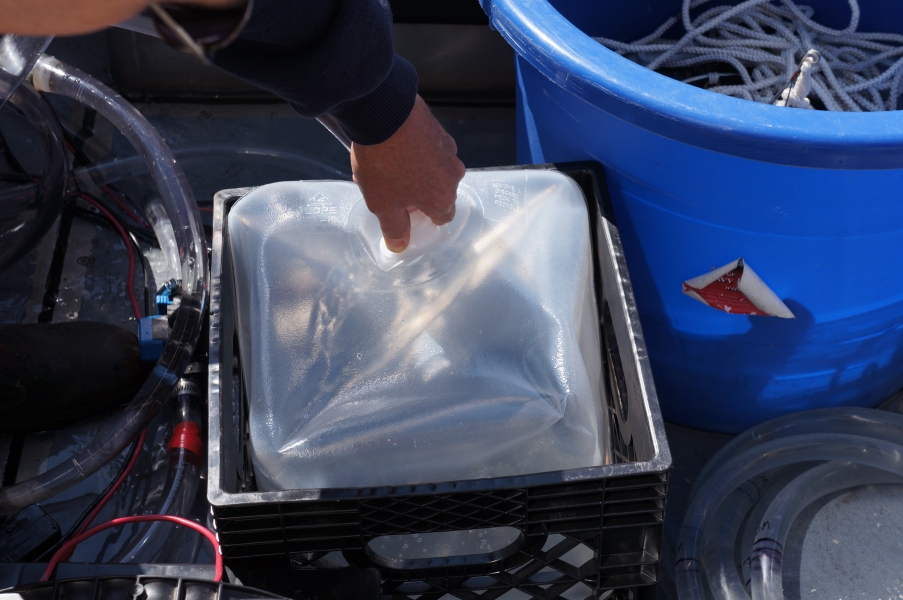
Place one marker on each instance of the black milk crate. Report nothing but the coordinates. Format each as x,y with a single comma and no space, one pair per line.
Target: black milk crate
583,533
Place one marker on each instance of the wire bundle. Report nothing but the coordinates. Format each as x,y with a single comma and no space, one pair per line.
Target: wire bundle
764,43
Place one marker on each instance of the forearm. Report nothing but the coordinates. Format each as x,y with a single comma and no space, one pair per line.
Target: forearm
72,17
328,56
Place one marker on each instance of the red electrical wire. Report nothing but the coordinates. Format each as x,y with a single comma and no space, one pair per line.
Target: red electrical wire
71,544
124,207
116,485
128,246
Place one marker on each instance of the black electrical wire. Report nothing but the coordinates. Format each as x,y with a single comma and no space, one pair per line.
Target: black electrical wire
145,236
134,230
81,519
145,264
128,205
141,408
125,219
75,144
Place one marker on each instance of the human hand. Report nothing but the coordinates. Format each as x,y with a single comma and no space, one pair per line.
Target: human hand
416,168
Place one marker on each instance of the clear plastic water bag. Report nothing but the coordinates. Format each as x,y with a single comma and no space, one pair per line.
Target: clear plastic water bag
474,354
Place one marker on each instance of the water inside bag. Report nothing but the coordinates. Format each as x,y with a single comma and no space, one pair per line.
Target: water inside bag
475,357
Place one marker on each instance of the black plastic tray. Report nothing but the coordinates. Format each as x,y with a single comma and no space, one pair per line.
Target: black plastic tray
615,511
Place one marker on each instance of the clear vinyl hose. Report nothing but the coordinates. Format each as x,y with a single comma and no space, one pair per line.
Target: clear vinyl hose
691,581
303,166
747,534
29,208
155,542
719,554
121,168
860,421
766,558
768,470
156,216
52,76
18,55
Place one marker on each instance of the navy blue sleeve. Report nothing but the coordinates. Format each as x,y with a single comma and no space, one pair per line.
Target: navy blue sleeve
327,56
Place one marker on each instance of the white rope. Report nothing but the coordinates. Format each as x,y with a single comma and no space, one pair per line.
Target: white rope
780,53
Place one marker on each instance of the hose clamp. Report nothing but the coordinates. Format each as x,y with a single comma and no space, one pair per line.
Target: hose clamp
187,388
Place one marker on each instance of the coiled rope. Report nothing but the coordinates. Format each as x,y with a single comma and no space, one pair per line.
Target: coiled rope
766,44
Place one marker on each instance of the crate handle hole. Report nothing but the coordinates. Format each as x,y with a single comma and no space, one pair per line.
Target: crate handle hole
444,548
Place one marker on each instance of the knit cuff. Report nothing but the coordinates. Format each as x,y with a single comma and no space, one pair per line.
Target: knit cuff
375,117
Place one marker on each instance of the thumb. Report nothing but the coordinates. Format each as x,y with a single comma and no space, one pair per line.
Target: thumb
396,226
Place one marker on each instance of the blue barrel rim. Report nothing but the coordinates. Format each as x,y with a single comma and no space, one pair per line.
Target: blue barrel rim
793,137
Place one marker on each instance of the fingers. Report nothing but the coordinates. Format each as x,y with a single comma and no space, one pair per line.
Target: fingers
396,226
442,208
450,144
417,168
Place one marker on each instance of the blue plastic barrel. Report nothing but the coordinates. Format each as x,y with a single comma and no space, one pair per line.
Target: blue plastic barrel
811,200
